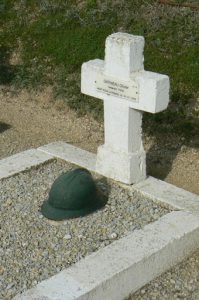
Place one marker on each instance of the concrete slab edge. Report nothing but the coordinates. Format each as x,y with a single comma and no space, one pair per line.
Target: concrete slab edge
161,191
112,273
22,161
71,154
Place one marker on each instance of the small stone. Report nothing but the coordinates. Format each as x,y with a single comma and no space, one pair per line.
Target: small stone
190,288
172,281
45,254
9,286
1,270
113,235
68,237
8,202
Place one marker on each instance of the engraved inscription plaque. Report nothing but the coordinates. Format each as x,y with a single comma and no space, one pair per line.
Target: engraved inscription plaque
117,88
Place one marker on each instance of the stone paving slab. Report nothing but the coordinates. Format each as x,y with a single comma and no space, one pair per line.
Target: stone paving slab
21,161
162,191
71,154
126,265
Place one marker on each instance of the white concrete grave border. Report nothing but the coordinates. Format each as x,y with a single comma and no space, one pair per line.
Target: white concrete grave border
112,273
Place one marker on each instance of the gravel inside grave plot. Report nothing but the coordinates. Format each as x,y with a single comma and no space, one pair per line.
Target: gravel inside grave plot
34,248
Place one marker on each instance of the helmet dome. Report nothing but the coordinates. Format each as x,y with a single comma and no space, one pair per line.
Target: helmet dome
73,194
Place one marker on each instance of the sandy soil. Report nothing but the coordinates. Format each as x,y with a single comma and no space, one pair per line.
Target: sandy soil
32,119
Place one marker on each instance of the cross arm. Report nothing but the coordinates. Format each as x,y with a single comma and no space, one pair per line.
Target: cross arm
149,91
153,91
89,74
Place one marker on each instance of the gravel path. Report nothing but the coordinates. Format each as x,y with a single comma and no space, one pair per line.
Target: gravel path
34,248
181,282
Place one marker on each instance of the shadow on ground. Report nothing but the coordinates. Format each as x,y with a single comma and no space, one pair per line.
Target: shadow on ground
165,148
4,127
103,188
7,71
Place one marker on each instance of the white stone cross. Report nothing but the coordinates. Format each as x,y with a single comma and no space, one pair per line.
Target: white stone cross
127,90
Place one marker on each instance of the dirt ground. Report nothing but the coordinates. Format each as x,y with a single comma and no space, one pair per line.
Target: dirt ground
29,120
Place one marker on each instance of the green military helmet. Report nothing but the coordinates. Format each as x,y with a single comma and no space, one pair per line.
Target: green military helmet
73,194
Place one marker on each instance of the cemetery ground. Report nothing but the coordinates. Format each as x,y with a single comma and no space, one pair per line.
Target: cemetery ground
41,102
40,47
29,120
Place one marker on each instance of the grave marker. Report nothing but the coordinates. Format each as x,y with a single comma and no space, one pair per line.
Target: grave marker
127,90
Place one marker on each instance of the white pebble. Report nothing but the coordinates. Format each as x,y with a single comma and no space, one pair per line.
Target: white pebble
113,235
68,237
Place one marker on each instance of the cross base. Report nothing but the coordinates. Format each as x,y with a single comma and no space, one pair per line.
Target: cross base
128,168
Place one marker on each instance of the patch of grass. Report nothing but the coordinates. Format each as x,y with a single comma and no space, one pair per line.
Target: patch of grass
67,47
56,37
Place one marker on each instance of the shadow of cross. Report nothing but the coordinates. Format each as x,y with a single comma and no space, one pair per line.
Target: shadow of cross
127,90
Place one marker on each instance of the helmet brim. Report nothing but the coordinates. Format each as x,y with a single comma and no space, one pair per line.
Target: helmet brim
57,214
